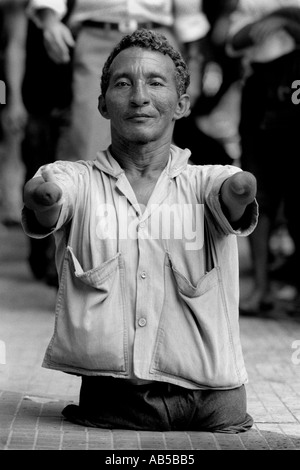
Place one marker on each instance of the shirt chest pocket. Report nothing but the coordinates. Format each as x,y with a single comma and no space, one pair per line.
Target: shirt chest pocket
194,337
100,277
187,289
91,330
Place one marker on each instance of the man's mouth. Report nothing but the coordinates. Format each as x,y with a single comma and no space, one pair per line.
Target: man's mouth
140,116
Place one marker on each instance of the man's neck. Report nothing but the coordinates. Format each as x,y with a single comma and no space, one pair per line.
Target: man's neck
141,160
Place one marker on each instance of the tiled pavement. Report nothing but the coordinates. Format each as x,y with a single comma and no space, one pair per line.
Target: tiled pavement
31,398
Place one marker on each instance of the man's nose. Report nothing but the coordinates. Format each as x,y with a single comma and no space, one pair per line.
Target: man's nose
140,95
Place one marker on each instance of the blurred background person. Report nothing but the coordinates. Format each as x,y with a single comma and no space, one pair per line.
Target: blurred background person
36,113
211,128
94,28
11,130
266,34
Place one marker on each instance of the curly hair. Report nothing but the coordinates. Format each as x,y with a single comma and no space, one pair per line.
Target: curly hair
152,41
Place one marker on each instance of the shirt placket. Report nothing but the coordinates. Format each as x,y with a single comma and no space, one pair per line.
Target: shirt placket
146,320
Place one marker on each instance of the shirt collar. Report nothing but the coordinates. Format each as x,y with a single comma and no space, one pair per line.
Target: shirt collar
176,164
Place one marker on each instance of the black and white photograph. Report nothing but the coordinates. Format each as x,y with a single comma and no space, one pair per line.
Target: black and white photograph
149,231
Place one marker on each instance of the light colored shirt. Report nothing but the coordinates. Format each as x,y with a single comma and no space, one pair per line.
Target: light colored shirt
187,17
146,295
275,45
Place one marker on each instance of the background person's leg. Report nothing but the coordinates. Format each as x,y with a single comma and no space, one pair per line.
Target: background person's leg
89,132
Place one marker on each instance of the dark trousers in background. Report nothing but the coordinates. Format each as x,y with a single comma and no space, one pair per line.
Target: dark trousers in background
269,131
39,147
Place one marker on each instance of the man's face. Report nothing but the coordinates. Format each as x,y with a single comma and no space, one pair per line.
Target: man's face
141,100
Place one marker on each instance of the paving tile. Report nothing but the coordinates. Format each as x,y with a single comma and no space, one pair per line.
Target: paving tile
276,438
203,440
125,439
152,440
229,441
253,440
177,441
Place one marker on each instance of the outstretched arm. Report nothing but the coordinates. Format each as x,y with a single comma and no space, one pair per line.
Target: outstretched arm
237,192
44,197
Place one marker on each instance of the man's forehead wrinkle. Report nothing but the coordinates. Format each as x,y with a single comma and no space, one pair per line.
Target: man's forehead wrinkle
145,58
138,70
144,64
142,55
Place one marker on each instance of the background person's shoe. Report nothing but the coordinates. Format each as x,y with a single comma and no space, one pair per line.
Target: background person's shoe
292,307
256,306
10,222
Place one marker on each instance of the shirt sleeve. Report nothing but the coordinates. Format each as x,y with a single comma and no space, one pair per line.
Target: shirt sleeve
59,6
190,22
213,178
66,175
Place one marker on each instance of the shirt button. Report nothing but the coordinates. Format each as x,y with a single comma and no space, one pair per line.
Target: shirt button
143,275
142,322
142,224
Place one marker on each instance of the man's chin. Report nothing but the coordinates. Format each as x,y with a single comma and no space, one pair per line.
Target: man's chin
142,138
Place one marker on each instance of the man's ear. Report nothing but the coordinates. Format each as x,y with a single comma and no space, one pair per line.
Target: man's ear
102,107
183,107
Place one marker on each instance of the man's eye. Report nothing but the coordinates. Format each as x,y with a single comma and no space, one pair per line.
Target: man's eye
122,84
156,84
